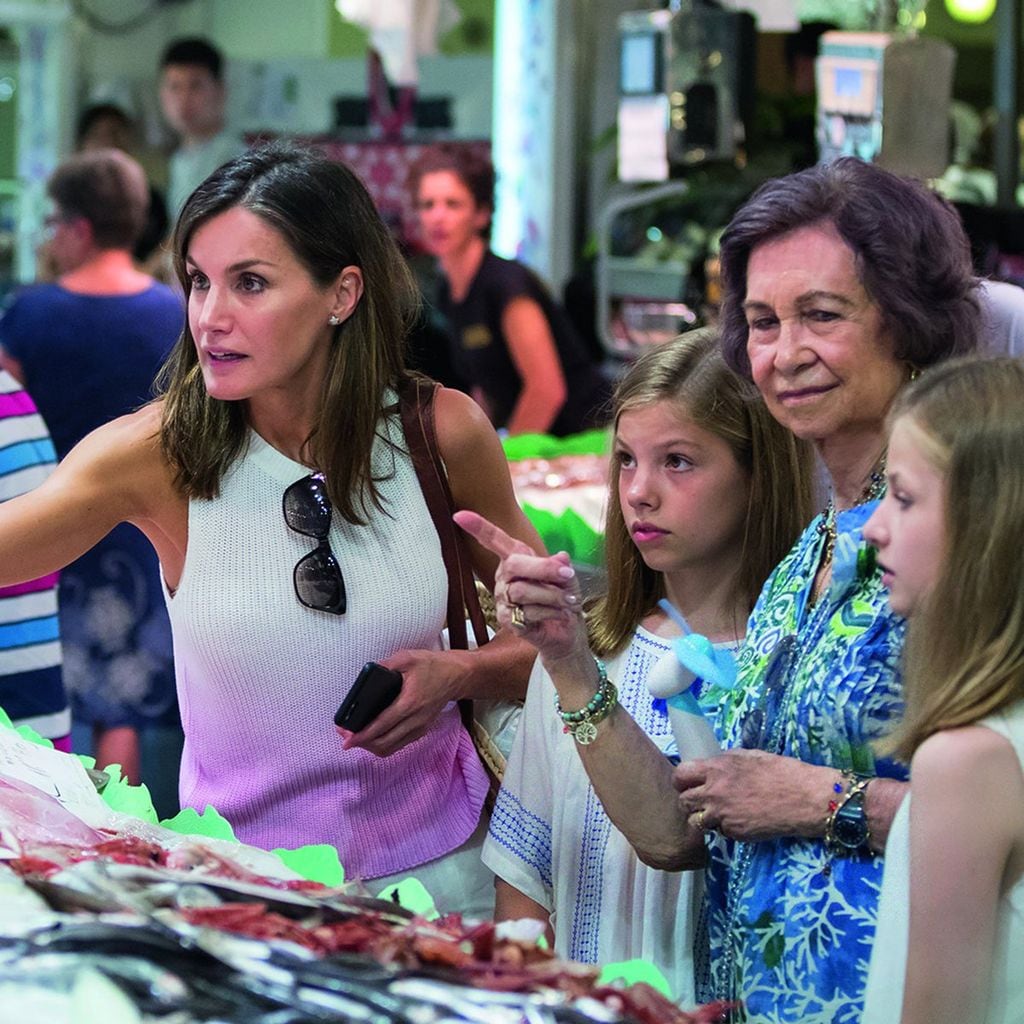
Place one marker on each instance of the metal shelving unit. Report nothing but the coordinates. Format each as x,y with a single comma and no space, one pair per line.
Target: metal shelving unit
639,300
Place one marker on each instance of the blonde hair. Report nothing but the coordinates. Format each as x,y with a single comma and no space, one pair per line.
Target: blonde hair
691,373
964,657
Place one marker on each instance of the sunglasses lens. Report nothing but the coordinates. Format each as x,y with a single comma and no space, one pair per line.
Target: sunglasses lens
778,665
756,723
752,730
307,509
319,583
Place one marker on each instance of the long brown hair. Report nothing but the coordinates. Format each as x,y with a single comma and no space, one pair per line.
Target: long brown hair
964,657
328,219
691,373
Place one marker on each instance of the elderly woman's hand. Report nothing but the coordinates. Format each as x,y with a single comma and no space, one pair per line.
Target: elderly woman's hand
537,597
751,795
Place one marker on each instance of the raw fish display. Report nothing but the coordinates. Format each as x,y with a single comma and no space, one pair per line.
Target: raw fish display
115,910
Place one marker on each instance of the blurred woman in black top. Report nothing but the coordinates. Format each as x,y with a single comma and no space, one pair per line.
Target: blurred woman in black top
511,343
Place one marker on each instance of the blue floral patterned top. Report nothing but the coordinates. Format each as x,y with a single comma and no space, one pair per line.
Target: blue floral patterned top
790,931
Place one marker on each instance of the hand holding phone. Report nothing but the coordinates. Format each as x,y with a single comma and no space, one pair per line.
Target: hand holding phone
375,688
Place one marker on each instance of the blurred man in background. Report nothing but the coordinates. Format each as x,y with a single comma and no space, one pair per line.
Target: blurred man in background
192,96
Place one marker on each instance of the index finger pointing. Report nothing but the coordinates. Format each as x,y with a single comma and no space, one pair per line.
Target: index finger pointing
492,537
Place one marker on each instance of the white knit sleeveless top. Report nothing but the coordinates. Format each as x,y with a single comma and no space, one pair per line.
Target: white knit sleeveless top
883,1002
260,675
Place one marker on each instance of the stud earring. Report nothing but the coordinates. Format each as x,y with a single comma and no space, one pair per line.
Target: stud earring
334,319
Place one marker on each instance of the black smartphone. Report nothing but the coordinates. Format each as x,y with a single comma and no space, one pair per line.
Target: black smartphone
375,688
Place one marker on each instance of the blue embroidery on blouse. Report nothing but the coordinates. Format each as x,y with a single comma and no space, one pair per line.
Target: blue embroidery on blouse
522,833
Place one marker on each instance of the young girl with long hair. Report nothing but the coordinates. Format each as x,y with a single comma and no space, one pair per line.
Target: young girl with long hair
949,540
706,494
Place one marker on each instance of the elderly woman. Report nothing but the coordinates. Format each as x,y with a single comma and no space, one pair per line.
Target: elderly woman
841,283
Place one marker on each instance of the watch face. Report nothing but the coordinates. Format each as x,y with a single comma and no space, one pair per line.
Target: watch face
850,828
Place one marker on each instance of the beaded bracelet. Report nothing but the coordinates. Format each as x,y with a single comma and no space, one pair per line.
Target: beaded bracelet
835,802
852,784
582,724
845,778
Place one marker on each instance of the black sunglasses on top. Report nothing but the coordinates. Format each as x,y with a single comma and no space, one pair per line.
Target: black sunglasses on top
317,576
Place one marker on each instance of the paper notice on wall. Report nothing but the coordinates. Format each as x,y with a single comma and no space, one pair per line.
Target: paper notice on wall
643,138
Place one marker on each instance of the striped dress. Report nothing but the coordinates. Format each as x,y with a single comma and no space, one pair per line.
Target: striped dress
31,687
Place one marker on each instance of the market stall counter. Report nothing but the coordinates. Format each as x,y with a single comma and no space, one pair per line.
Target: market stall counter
108,916
562,485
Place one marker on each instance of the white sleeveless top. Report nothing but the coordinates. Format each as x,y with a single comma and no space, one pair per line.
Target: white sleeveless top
260,676
883,1003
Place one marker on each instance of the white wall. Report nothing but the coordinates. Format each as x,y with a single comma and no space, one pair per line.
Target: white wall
295,94
772,15
279,74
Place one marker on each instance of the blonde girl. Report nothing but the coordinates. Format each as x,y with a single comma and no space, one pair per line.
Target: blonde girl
706,494
950,541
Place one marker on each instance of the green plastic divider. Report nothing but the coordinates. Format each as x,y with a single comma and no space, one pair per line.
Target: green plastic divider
568,531
121,796
411,894
319,862
24,731
189,822
630,972
544,446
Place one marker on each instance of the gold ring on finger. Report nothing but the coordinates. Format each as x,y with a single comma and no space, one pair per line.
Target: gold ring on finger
518,616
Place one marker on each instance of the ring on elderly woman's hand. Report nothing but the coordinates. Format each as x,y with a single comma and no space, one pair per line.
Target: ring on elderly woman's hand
518,616
700,820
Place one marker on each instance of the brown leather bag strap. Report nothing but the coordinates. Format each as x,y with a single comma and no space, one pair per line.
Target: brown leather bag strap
416,406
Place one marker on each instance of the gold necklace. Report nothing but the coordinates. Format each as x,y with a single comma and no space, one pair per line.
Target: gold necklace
873,489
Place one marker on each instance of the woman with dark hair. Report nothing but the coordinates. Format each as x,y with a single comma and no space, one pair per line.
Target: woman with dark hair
842,282
274,480
907,246
512,344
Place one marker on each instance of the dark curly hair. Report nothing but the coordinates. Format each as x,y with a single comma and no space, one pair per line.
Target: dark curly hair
471,167
910,249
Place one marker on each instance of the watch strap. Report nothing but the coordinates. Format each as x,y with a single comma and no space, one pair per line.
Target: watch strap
852,804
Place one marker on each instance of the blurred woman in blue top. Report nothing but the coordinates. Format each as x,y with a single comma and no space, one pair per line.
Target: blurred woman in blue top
87,348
